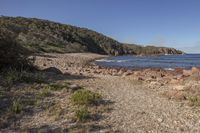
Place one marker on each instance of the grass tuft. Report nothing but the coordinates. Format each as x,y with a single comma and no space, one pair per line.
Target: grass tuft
12,76
17,106
82,114
45,92
194,100
57,87
85,97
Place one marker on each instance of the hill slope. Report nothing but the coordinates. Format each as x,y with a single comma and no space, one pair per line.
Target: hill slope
45,36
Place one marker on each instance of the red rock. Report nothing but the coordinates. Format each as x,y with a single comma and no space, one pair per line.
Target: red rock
195,70
187,73
140,78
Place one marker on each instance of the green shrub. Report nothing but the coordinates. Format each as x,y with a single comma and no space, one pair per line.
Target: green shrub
17,106
12,54
29,77
82,114
56,86
11,76
194,100
45,92
85,97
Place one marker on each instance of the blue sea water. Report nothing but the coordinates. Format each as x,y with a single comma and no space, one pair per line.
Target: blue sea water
162,61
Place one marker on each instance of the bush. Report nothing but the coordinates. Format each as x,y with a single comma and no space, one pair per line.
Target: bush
56,86
10,77
17,106
82,114
13,75
85,97
194,100
45,92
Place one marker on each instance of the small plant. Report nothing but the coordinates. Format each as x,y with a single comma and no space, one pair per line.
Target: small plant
45,92
56,87
10,76
29,77
82,114
17,106
85,97
195,100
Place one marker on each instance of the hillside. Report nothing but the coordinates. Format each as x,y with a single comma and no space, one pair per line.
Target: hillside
45,36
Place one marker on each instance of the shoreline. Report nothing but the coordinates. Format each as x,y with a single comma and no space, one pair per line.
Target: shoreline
84,63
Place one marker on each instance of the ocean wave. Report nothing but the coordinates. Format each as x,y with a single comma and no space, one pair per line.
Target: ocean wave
169,69
106,60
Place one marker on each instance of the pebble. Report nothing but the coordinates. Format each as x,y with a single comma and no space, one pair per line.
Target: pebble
160,120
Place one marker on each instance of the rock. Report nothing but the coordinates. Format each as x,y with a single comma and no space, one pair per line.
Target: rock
180,96
195,70
127,73
74,87
178,87
160,120
120,72
175,94
174,81
53,70
187,73
162,75
140,78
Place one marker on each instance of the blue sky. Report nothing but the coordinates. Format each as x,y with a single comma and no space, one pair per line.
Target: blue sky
173,23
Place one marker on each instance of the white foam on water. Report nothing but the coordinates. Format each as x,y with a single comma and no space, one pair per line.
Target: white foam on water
118,61
169,69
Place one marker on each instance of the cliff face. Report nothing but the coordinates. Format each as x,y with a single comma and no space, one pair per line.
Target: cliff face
45,36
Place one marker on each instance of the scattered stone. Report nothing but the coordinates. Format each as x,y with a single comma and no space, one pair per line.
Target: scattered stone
160,120
74,87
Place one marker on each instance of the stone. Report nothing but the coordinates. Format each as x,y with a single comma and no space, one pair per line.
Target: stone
187,73
178,87
74,87
195,70
140,78
53,70
160,120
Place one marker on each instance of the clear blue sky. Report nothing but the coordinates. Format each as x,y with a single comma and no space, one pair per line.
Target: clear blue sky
174,23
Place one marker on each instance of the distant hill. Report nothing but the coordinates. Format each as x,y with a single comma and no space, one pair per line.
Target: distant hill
46,36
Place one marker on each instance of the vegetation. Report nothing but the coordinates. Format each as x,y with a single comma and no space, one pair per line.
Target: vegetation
82,114
56,87
85,97
13,75
36,35
45,92
17,106
194,100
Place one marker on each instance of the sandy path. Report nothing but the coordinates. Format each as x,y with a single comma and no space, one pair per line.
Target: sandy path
139,109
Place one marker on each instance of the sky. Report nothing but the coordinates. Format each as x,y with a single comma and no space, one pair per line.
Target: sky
170,23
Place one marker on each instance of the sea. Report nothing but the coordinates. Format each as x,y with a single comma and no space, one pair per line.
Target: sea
168,62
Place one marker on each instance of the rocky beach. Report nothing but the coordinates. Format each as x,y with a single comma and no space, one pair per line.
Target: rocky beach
152,100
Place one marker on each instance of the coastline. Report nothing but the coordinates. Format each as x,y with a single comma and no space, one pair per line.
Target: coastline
164,96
